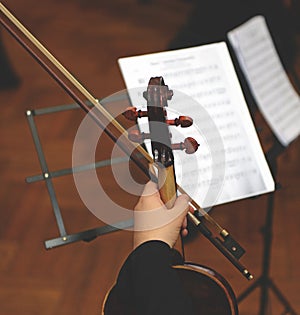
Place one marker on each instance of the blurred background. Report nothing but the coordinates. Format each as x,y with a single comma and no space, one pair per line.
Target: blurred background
88,37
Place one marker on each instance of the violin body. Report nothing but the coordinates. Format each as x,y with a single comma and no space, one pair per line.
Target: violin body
210,293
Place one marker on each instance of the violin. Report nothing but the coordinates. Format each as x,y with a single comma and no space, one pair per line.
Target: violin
192,275
210,293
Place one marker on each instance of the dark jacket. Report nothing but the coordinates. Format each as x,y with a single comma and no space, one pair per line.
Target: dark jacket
147,284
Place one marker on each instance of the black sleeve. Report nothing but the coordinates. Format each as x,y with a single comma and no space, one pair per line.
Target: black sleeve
148,284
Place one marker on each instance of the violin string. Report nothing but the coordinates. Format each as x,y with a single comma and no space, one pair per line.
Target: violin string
94,102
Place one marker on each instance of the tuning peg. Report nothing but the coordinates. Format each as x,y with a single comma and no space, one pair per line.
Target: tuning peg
190,145
183,121
132,113
136,136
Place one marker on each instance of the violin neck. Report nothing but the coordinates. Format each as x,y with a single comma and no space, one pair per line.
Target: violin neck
167,185
168,192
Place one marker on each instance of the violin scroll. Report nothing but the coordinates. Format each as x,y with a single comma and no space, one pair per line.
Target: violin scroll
157,96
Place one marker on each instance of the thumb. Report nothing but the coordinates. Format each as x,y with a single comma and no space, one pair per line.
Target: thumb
182,205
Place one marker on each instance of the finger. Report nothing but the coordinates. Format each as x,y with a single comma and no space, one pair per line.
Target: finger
184,223
184,232
191,209
150,198
150,189
182,202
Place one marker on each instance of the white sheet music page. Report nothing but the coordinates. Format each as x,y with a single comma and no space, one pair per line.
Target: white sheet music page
270,85
229,164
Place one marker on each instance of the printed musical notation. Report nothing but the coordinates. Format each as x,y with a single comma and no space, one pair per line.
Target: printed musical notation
230,164
270,85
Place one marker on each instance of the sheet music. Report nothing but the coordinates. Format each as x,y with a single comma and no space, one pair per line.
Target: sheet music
270,85
229,164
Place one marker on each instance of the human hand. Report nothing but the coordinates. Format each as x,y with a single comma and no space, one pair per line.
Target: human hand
153,221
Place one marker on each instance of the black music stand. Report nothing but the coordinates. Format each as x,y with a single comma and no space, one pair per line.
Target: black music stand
47,175
264,281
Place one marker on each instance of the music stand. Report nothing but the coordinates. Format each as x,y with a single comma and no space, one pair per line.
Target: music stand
264,281
47,176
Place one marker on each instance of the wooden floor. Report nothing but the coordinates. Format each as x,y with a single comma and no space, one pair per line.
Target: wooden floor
88,37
